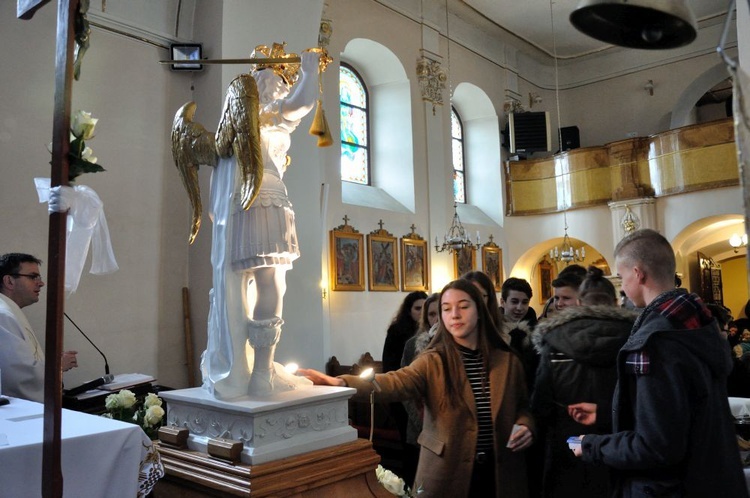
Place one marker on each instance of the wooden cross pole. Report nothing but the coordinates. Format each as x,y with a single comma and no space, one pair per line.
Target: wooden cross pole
52,478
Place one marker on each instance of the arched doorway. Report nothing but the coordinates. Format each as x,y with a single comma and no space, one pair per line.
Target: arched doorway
539,267
708,238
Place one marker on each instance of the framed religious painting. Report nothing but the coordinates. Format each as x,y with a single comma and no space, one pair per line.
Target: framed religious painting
382,259
415,269
545,279
464,260
347,272
492,263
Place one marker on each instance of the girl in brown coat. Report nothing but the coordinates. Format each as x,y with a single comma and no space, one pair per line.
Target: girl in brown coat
476,418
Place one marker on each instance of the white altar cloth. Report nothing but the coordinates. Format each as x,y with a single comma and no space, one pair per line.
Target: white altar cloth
100,457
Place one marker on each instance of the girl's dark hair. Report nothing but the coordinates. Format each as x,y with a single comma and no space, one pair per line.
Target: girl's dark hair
424,324
403,322
596,289
493,305
549,304
446,347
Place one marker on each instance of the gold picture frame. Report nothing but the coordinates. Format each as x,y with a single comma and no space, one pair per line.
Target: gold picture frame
492,263
415,268
347,271
546,274
464,260
382,259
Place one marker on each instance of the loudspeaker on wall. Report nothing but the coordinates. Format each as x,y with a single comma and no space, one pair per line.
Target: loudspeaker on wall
570,138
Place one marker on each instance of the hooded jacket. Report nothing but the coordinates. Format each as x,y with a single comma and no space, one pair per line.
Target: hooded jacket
578,349
673,431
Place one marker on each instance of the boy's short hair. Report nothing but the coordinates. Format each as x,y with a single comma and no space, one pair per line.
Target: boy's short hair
650,250
516,284
571,279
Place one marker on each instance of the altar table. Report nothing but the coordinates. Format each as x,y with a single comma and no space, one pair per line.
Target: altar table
100,457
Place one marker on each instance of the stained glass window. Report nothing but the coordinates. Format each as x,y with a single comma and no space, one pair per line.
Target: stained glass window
457,145
355,152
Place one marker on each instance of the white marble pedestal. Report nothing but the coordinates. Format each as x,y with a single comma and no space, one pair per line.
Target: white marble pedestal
274,427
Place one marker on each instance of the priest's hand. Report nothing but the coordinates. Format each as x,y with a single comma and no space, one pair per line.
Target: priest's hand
69,360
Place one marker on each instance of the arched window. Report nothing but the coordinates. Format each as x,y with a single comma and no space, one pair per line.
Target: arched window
353,105
457,145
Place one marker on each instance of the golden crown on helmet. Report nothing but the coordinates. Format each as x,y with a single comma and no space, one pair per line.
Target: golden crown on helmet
287,72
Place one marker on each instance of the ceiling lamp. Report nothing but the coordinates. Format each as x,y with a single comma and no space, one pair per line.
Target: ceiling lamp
566,253
456,238
736,242
649,24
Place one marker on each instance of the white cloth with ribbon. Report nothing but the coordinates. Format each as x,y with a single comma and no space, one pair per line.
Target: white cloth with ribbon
87,226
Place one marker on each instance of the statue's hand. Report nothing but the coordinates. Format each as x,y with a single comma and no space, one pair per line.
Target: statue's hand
310,62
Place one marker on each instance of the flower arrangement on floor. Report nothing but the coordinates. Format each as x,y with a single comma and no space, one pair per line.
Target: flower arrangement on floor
394,484
145,412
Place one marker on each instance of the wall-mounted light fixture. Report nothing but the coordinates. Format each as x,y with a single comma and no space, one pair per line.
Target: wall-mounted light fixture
323,289
649,87
186,52
737,241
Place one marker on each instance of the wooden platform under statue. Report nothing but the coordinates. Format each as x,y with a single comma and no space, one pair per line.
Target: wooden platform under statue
340,471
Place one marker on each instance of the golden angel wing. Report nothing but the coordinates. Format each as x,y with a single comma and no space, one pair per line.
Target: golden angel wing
239,134
192,145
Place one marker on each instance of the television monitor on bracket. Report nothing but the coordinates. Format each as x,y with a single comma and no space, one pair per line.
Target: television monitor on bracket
529,132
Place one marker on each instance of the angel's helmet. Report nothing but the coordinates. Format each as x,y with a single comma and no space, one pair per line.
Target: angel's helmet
287,71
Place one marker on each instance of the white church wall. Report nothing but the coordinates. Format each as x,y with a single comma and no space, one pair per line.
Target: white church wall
134,315
611,110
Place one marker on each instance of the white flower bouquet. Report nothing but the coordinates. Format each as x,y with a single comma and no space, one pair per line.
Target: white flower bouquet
82,159
394,484
146,412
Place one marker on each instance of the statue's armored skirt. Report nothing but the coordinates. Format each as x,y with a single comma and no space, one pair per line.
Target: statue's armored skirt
265,234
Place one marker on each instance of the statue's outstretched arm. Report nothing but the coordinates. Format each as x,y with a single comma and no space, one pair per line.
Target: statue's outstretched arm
239,134
302,99
192,145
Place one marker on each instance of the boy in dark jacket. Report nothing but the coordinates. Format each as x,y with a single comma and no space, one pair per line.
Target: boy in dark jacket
673,430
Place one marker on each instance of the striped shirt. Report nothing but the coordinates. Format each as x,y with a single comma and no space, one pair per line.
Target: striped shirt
475,372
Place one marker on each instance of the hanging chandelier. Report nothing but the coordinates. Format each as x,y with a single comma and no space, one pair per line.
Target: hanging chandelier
566,253
456,238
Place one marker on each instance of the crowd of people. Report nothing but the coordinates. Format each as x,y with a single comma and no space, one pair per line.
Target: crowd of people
596,397
603,394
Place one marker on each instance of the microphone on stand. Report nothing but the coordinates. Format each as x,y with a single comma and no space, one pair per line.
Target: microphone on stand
106,364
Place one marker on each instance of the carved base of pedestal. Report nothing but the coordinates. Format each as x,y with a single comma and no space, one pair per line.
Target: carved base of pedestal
271,428
340,471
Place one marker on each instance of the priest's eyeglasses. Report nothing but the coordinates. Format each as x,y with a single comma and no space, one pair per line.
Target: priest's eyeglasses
33,276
